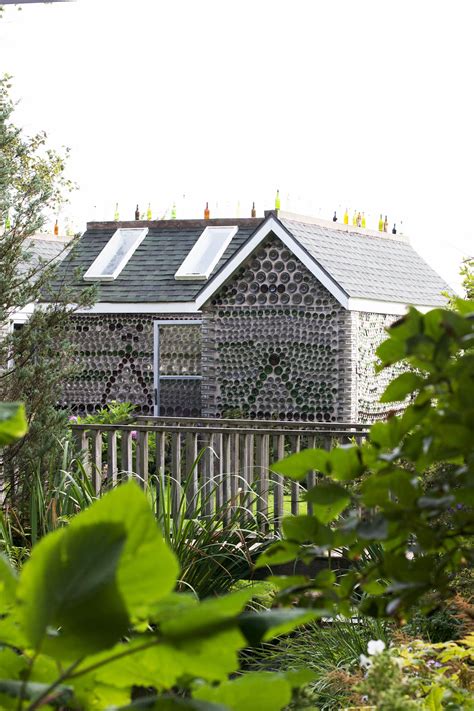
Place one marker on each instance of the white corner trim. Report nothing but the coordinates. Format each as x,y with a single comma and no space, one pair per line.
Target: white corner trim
117,307
271,225
375,306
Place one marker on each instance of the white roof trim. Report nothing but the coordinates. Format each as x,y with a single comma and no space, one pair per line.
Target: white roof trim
271,225
385,307
136,307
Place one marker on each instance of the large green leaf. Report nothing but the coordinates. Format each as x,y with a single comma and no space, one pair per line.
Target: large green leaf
148,569
256,691
210,616
70,603
8,583
403,385
329,500
296,466
13,424
278,553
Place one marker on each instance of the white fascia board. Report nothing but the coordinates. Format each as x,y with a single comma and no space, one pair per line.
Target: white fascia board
170,307
22,315
375,306
271,226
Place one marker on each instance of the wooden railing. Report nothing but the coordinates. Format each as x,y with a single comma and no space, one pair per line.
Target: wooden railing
212,465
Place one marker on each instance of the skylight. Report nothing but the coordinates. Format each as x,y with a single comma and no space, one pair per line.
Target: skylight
116,253
206,253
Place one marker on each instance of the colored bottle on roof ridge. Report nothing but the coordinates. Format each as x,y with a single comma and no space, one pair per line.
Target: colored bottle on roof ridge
8,222
137,213
394,230
346,217
385,224
363,220
56,229
116,213
380,224
254,211
277,200
334,219
173,212
354,219
207,213
148,212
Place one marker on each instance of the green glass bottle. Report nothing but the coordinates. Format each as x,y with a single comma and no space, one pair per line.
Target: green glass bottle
277,201
148,212
173,212
116,214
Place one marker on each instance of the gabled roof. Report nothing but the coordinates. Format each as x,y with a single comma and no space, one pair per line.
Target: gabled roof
370,266
149,276
365,271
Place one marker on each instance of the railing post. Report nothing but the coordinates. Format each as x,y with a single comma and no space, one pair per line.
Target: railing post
262,451
191,473
295,487
96,467
207,488
176,475
82,441
311,478
278,485
126,453
112,458
142,457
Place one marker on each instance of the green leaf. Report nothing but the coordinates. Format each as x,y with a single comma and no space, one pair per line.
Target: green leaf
13,423
11,664
255,691
69,584
148,569
283,582
403,385
278,553
346,462
209,616
296,466
390,351
329,500
263,626
8,583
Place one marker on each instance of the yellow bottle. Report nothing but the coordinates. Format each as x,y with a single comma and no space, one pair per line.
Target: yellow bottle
346,217
173,212
277,201
148,212
8,223
354,219
380,224
116,214
363,220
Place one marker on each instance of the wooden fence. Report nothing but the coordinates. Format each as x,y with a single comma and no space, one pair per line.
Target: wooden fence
210,465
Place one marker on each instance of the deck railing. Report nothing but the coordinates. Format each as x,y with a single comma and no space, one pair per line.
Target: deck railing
217,465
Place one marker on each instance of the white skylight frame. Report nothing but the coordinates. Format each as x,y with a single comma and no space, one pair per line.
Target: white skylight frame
201,260
109,262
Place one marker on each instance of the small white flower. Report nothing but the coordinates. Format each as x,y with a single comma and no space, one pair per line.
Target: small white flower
365,662
375,646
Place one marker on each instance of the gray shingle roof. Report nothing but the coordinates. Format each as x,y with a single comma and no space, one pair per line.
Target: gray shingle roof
149,275
39,249
371,267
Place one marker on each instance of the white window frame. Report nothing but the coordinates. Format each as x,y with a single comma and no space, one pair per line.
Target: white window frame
95,273
185,274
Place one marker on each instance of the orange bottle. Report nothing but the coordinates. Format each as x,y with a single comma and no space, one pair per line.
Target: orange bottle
56,229
207,214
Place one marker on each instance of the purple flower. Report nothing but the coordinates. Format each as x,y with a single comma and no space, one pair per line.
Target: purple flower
73,418
134,434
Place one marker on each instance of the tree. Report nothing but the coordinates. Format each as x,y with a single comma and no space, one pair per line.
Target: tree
406,535
34,359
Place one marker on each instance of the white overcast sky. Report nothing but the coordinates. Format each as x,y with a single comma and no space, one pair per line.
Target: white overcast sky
360,103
